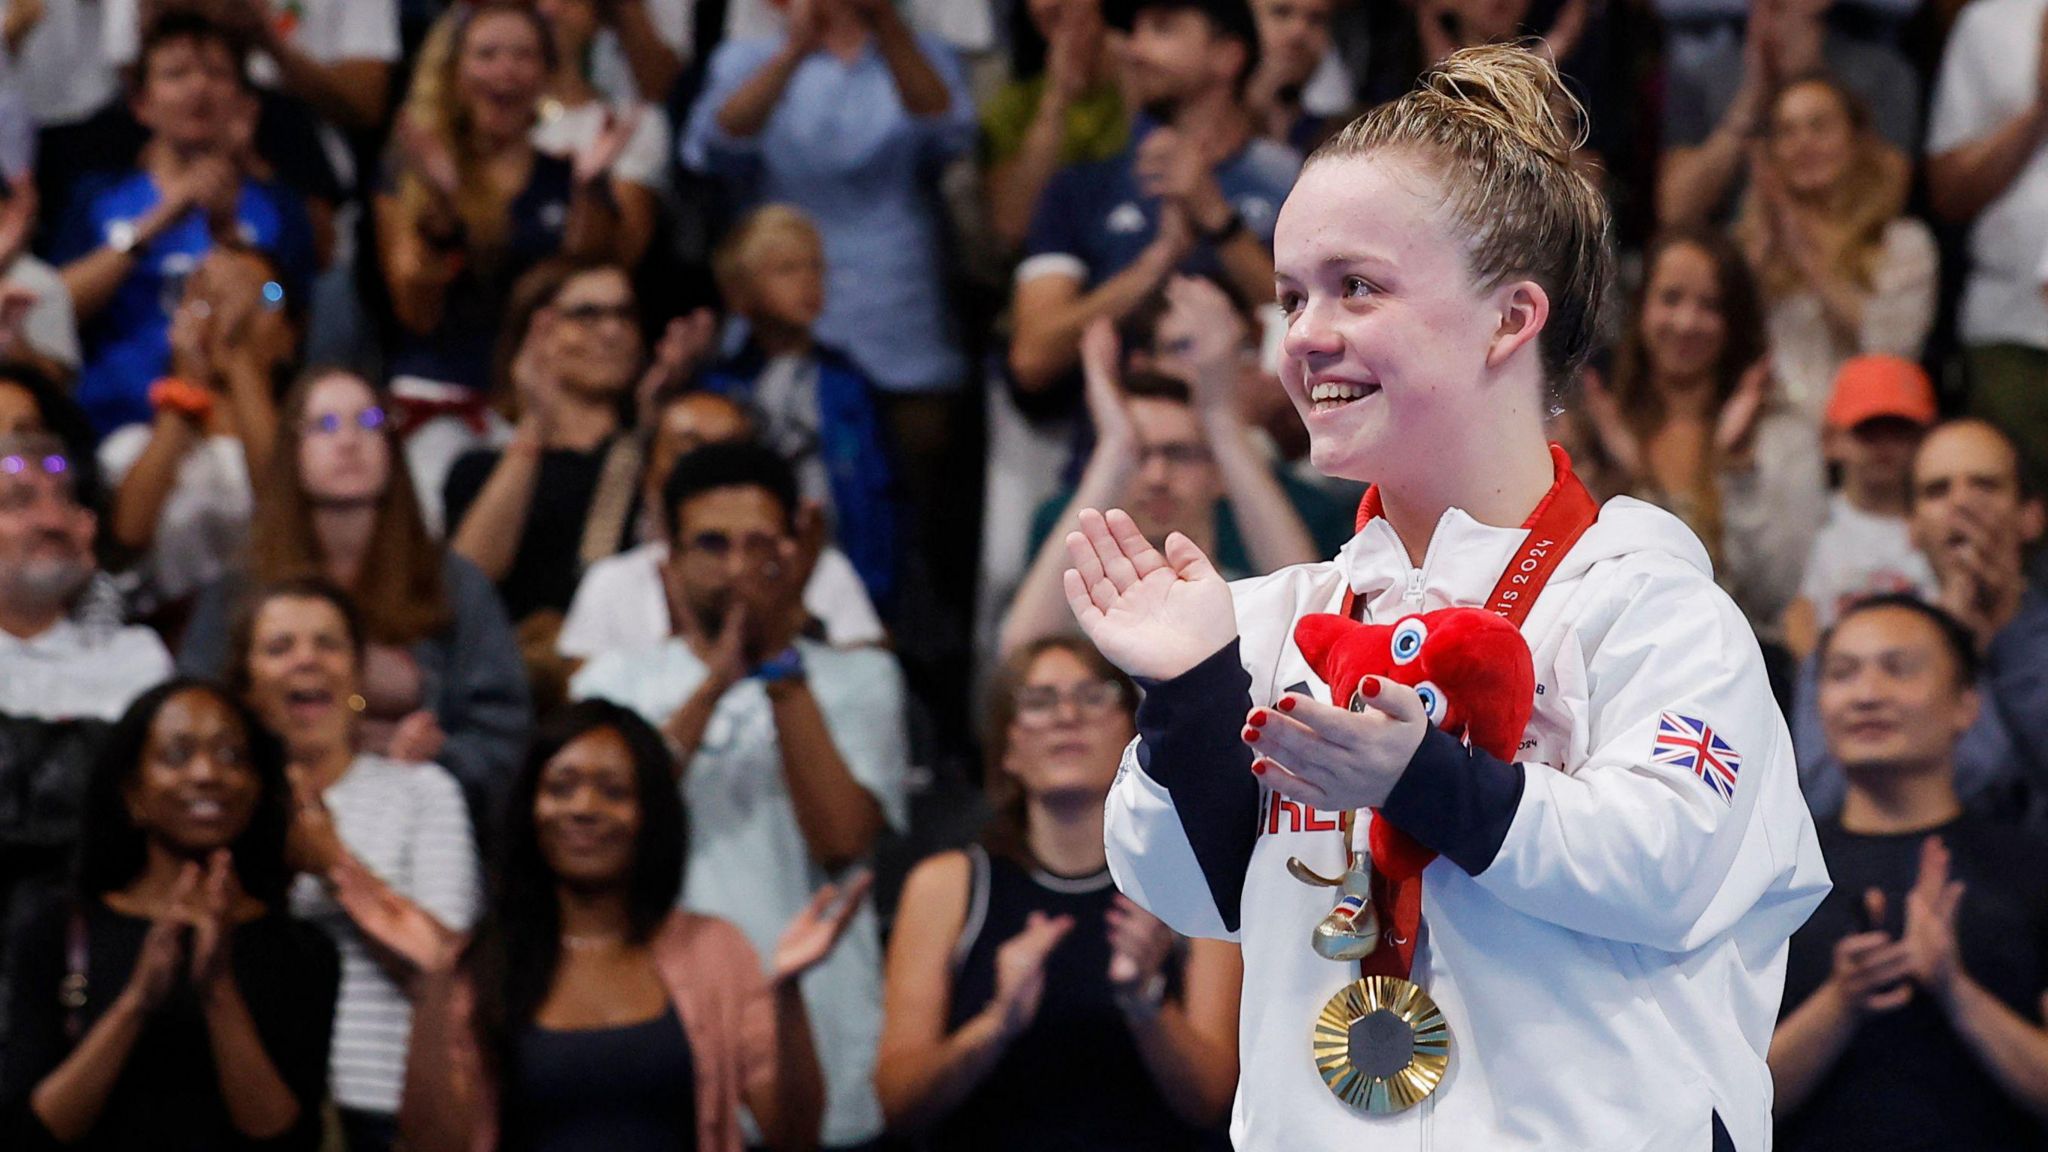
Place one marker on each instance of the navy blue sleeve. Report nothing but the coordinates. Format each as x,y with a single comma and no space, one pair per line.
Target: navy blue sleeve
1055,220
77,233
1455,800
1188,743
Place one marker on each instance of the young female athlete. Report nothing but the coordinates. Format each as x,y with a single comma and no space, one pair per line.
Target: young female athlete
1597,952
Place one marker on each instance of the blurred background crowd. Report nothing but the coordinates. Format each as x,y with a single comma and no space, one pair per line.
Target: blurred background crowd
530,540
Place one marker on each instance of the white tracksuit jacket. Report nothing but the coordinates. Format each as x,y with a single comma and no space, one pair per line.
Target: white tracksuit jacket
1606,935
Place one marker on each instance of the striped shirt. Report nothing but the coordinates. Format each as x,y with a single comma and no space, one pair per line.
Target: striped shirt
407,824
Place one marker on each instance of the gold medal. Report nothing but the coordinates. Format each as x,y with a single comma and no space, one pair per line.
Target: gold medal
1381,1044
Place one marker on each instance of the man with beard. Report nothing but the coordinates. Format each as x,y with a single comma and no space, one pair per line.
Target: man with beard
66,670
1198,189
793,754
55,663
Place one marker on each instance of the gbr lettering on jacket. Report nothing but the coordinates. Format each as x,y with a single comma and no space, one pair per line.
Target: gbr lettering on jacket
1280,816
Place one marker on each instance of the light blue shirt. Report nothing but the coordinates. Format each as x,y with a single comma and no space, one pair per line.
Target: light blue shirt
840,146
748,860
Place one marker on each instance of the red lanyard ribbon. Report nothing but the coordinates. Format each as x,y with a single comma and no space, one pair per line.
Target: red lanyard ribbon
1564,514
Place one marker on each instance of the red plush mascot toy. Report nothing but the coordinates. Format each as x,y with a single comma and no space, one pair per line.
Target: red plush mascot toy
1474,674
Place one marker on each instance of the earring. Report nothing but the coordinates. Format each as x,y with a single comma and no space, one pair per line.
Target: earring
356,703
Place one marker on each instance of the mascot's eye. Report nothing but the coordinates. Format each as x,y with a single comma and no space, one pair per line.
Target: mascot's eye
1408,637
1434,701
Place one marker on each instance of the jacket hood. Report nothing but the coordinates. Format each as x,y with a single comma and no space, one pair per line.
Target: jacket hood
1628,526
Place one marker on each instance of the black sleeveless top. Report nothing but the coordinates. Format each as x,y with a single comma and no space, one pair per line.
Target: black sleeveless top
626,1089
1074,1081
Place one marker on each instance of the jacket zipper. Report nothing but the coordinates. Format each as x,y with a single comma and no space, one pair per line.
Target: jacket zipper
1414,593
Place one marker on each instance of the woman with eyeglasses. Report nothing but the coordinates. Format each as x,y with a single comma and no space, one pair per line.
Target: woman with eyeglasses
383,846
172,1003
562,494
182,494
440,678
1028,1004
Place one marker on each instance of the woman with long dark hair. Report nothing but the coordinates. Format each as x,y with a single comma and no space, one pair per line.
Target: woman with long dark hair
587,1011
1029,1005
441,679
1690,423
173,1004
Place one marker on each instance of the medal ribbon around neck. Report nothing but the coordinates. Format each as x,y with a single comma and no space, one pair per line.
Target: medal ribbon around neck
1564,514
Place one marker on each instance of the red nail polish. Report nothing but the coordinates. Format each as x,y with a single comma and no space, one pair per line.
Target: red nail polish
1259,767
1259,718
1251,735
1371,687
1286,704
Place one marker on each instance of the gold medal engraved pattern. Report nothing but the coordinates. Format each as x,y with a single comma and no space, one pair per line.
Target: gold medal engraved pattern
1381,1044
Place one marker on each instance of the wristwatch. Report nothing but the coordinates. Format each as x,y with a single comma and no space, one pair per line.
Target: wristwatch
787,664
122,236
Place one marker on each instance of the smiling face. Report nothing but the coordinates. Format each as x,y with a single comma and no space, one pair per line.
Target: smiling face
1684,328
45,535
1069,730
592,333
586,811
302,671
499,69
1387,334
1813,137
1890,695
1962,470
195,789
344,459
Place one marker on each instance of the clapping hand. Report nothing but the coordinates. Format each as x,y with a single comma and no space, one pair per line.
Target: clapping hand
1334,758
818,928
213,921
603,150
1153,613
1139,944
162,958
1020,970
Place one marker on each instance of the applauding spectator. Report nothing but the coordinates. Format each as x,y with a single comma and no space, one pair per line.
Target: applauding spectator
1715,106
1842,272
1914,996
382,843
1200,187
196,1012
1071,113
793,754
1176,455
1029,1004
588,1012
469,207
1689,424
338,504
1987,167
575,115
182,501
130,239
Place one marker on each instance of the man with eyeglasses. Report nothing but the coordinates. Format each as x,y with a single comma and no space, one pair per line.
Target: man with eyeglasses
793,754
68,667
1176,452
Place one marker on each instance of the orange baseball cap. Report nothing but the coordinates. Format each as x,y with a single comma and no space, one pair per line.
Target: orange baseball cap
1868,387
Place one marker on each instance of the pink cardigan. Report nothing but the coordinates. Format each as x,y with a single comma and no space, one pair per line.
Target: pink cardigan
714,979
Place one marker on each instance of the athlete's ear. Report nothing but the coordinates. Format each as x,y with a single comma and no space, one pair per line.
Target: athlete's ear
1523,307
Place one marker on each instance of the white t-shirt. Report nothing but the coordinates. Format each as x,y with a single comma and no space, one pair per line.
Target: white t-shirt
204,524
74,671
563,131
65,71
1857,555
1988,77
620,604
748,859
408,825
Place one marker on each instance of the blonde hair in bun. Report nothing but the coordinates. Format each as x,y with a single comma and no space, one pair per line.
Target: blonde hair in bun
1498,128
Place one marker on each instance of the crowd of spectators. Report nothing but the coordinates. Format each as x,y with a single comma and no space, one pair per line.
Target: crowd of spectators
531,540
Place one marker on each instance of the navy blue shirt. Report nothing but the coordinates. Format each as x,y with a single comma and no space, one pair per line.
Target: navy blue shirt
1092,221
127,345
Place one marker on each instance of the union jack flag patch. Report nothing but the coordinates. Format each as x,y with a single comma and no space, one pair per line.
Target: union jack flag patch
1690,744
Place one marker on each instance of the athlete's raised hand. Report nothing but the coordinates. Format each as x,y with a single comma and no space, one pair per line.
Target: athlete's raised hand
1153,613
